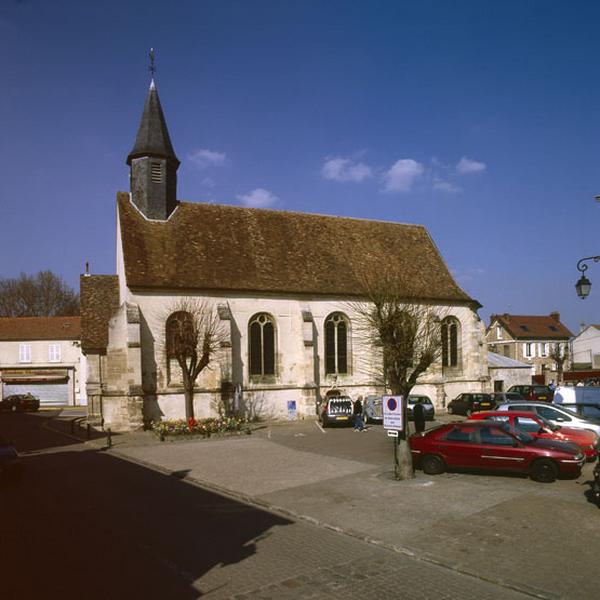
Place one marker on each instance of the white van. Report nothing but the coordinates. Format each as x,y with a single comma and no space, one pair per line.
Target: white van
583,394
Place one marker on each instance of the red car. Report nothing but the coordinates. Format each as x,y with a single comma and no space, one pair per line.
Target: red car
538,427
495,447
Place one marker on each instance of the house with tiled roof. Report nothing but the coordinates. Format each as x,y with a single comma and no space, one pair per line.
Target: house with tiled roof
529,339
42,356
585,348
282,284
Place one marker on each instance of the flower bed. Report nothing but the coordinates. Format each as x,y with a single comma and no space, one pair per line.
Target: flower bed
200,427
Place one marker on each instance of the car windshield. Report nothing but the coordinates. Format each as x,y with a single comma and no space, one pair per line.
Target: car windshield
419,399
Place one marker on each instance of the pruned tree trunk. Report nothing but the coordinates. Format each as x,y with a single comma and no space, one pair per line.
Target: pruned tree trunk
189,404
403,466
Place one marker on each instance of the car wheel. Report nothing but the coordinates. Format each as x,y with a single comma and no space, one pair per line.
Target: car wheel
432,464
544,471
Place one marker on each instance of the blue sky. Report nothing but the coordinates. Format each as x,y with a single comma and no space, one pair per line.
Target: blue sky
479,120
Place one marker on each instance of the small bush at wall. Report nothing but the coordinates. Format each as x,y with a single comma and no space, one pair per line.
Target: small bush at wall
200,427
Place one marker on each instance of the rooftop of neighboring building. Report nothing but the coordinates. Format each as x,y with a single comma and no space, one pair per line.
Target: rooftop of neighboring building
39,328
532,327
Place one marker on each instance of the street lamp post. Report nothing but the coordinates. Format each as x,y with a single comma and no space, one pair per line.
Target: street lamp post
584,285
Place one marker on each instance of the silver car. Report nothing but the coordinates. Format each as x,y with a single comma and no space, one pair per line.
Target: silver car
555,414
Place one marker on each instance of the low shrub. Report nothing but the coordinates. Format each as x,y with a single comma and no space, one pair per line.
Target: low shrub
200,427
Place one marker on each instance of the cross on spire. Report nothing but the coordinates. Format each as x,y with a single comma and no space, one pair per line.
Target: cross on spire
152,67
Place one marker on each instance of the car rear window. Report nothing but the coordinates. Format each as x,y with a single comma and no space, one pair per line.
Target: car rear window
540,389
341,405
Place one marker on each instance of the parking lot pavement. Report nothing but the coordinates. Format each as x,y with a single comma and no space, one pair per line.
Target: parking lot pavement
507,530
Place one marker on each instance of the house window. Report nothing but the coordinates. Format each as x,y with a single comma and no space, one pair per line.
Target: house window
54,352
24,353
506,349
498,332
544,349
336,344
450,342
261,334
528,350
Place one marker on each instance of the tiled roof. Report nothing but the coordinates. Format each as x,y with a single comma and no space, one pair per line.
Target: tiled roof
209,246
39,328
497,361
99,297
528,327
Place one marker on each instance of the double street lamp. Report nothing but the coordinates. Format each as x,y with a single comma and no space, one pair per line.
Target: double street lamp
584,285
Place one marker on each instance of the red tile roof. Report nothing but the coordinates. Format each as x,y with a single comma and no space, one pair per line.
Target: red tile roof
209,246
533,327
99,297
40,328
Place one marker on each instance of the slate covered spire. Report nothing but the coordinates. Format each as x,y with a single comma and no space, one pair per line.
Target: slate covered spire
153,163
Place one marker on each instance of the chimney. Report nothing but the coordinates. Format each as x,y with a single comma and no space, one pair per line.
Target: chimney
506,317
556,316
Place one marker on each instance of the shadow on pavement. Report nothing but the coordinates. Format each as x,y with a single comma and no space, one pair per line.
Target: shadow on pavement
84,524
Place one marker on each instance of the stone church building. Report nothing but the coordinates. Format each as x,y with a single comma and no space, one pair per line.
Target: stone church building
282,284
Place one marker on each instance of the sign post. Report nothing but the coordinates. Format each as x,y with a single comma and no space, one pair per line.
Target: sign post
392,420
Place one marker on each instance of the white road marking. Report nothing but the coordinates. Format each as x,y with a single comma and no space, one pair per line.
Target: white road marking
322,430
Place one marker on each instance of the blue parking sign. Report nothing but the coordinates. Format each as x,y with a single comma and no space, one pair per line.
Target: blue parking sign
392,412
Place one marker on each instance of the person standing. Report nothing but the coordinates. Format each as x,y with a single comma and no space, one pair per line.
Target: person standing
419,416
359,424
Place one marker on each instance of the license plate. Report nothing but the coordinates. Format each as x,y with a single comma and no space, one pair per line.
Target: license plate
342,418
485,404
542,397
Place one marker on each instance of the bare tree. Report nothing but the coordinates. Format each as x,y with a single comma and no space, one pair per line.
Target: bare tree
42,295
559,353
407,338
193,335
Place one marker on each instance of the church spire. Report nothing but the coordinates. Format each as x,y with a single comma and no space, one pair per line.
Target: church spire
152,160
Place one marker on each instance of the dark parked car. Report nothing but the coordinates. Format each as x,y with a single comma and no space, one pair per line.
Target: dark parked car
10,464
373,409
20,402
535,393
465,404
493,446
337,409
425,401
500,397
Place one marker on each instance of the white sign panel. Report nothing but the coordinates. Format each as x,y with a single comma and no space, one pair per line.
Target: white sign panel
392,412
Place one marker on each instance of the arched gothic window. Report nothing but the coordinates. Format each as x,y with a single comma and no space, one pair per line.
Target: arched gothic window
336,344
261,335
451,342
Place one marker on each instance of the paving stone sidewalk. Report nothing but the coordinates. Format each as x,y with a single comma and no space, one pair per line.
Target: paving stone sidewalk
490,537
